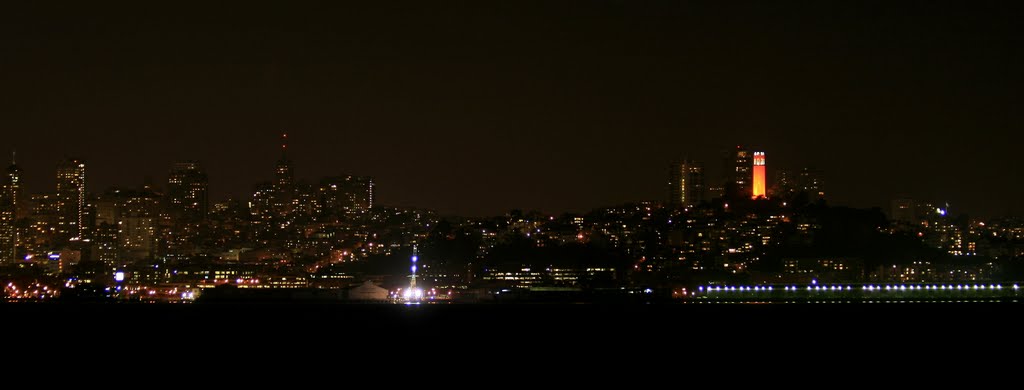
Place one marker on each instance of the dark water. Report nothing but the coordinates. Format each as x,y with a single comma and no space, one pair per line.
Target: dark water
580,343
619,323
506,339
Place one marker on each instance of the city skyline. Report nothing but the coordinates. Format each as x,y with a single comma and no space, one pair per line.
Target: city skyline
742,171
727,181
459,109
186,180
145,245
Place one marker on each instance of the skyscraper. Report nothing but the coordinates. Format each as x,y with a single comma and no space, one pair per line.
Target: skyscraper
807,181
9,193
261,208
685,183
812,182
187,188
903,211
784,185
760,188
105,242
127,226
71,199
43,223
138,225
307,200
345,194
284,182
738,166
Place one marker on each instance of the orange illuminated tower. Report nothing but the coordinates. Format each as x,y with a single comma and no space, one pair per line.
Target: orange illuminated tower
759,176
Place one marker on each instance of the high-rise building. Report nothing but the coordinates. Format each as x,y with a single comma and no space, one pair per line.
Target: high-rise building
760,185
903,211
261,207
686,183
789,184
284,182
127,226
42,232
811,181
739,165
187,189
345,194
909,212
715,191
784,186
139,224
262,201
307,200
71,199
9,193
106,246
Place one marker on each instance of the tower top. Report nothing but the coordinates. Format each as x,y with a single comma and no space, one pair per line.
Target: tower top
284,146
13,168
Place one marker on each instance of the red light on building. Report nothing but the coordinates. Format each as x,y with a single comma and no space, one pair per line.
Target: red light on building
760,186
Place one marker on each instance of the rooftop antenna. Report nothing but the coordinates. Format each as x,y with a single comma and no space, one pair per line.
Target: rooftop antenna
284,146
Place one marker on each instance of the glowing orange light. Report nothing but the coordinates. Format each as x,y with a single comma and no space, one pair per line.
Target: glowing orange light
760,187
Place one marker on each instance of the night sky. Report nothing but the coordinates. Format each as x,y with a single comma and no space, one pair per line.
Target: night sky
478,107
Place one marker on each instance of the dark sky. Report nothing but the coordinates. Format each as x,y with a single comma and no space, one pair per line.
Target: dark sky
475,108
